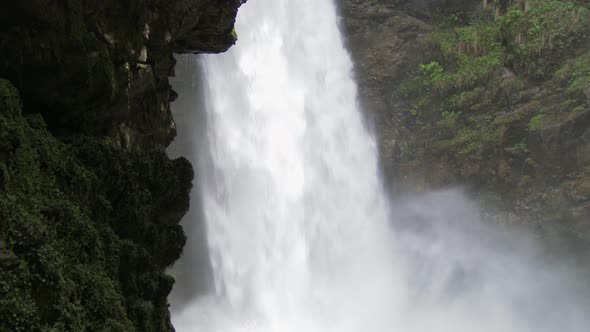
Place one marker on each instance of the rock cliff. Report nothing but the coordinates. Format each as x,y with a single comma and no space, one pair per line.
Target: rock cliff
90,203
494,100
101,67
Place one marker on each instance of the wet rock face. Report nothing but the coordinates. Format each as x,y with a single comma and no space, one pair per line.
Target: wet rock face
101,67
464,97
384,38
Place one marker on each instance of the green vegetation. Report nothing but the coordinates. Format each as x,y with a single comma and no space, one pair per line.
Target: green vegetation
500,97
536,122
449,120
471,49
518,149
479,60
575,74
86,236
548,27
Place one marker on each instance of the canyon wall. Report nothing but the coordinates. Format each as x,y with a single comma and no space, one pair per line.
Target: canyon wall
494,100
90,203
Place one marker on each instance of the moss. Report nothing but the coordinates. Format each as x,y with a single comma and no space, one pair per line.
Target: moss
234,35
92,228
536,122
463,101
508,119
519,149
449,120
17,307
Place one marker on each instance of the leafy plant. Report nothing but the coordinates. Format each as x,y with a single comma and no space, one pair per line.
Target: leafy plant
449,120
547,26
536,122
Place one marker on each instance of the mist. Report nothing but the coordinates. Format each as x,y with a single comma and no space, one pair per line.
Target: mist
466,273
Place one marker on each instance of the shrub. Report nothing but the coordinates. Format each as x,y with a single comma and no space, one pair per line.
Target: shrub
536,122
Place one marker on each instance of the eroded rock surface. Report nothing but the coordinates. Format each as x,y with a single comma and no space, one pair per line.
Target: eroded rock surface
494,101
90,203
101,67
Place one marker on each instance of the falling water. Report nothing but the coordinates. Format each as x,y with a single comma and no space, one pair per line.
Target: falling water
299,230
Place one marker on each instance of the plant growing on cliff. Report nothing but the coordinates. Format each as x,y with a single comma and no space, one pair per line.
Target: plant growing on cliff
472,50
519,149
432,76
433,71
87,235
449,120
536,122
476,48
575,73
547,26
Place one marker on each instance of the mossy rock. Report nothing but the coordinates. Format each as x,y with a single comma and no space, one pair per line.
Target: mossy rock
91,227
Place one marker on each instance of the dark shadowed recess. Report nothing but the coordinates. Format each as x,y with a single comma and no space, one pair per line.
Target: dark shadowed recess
193,271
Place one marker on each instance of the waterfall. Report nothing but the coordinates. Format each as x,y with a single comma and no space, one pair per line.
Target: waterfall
299,231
